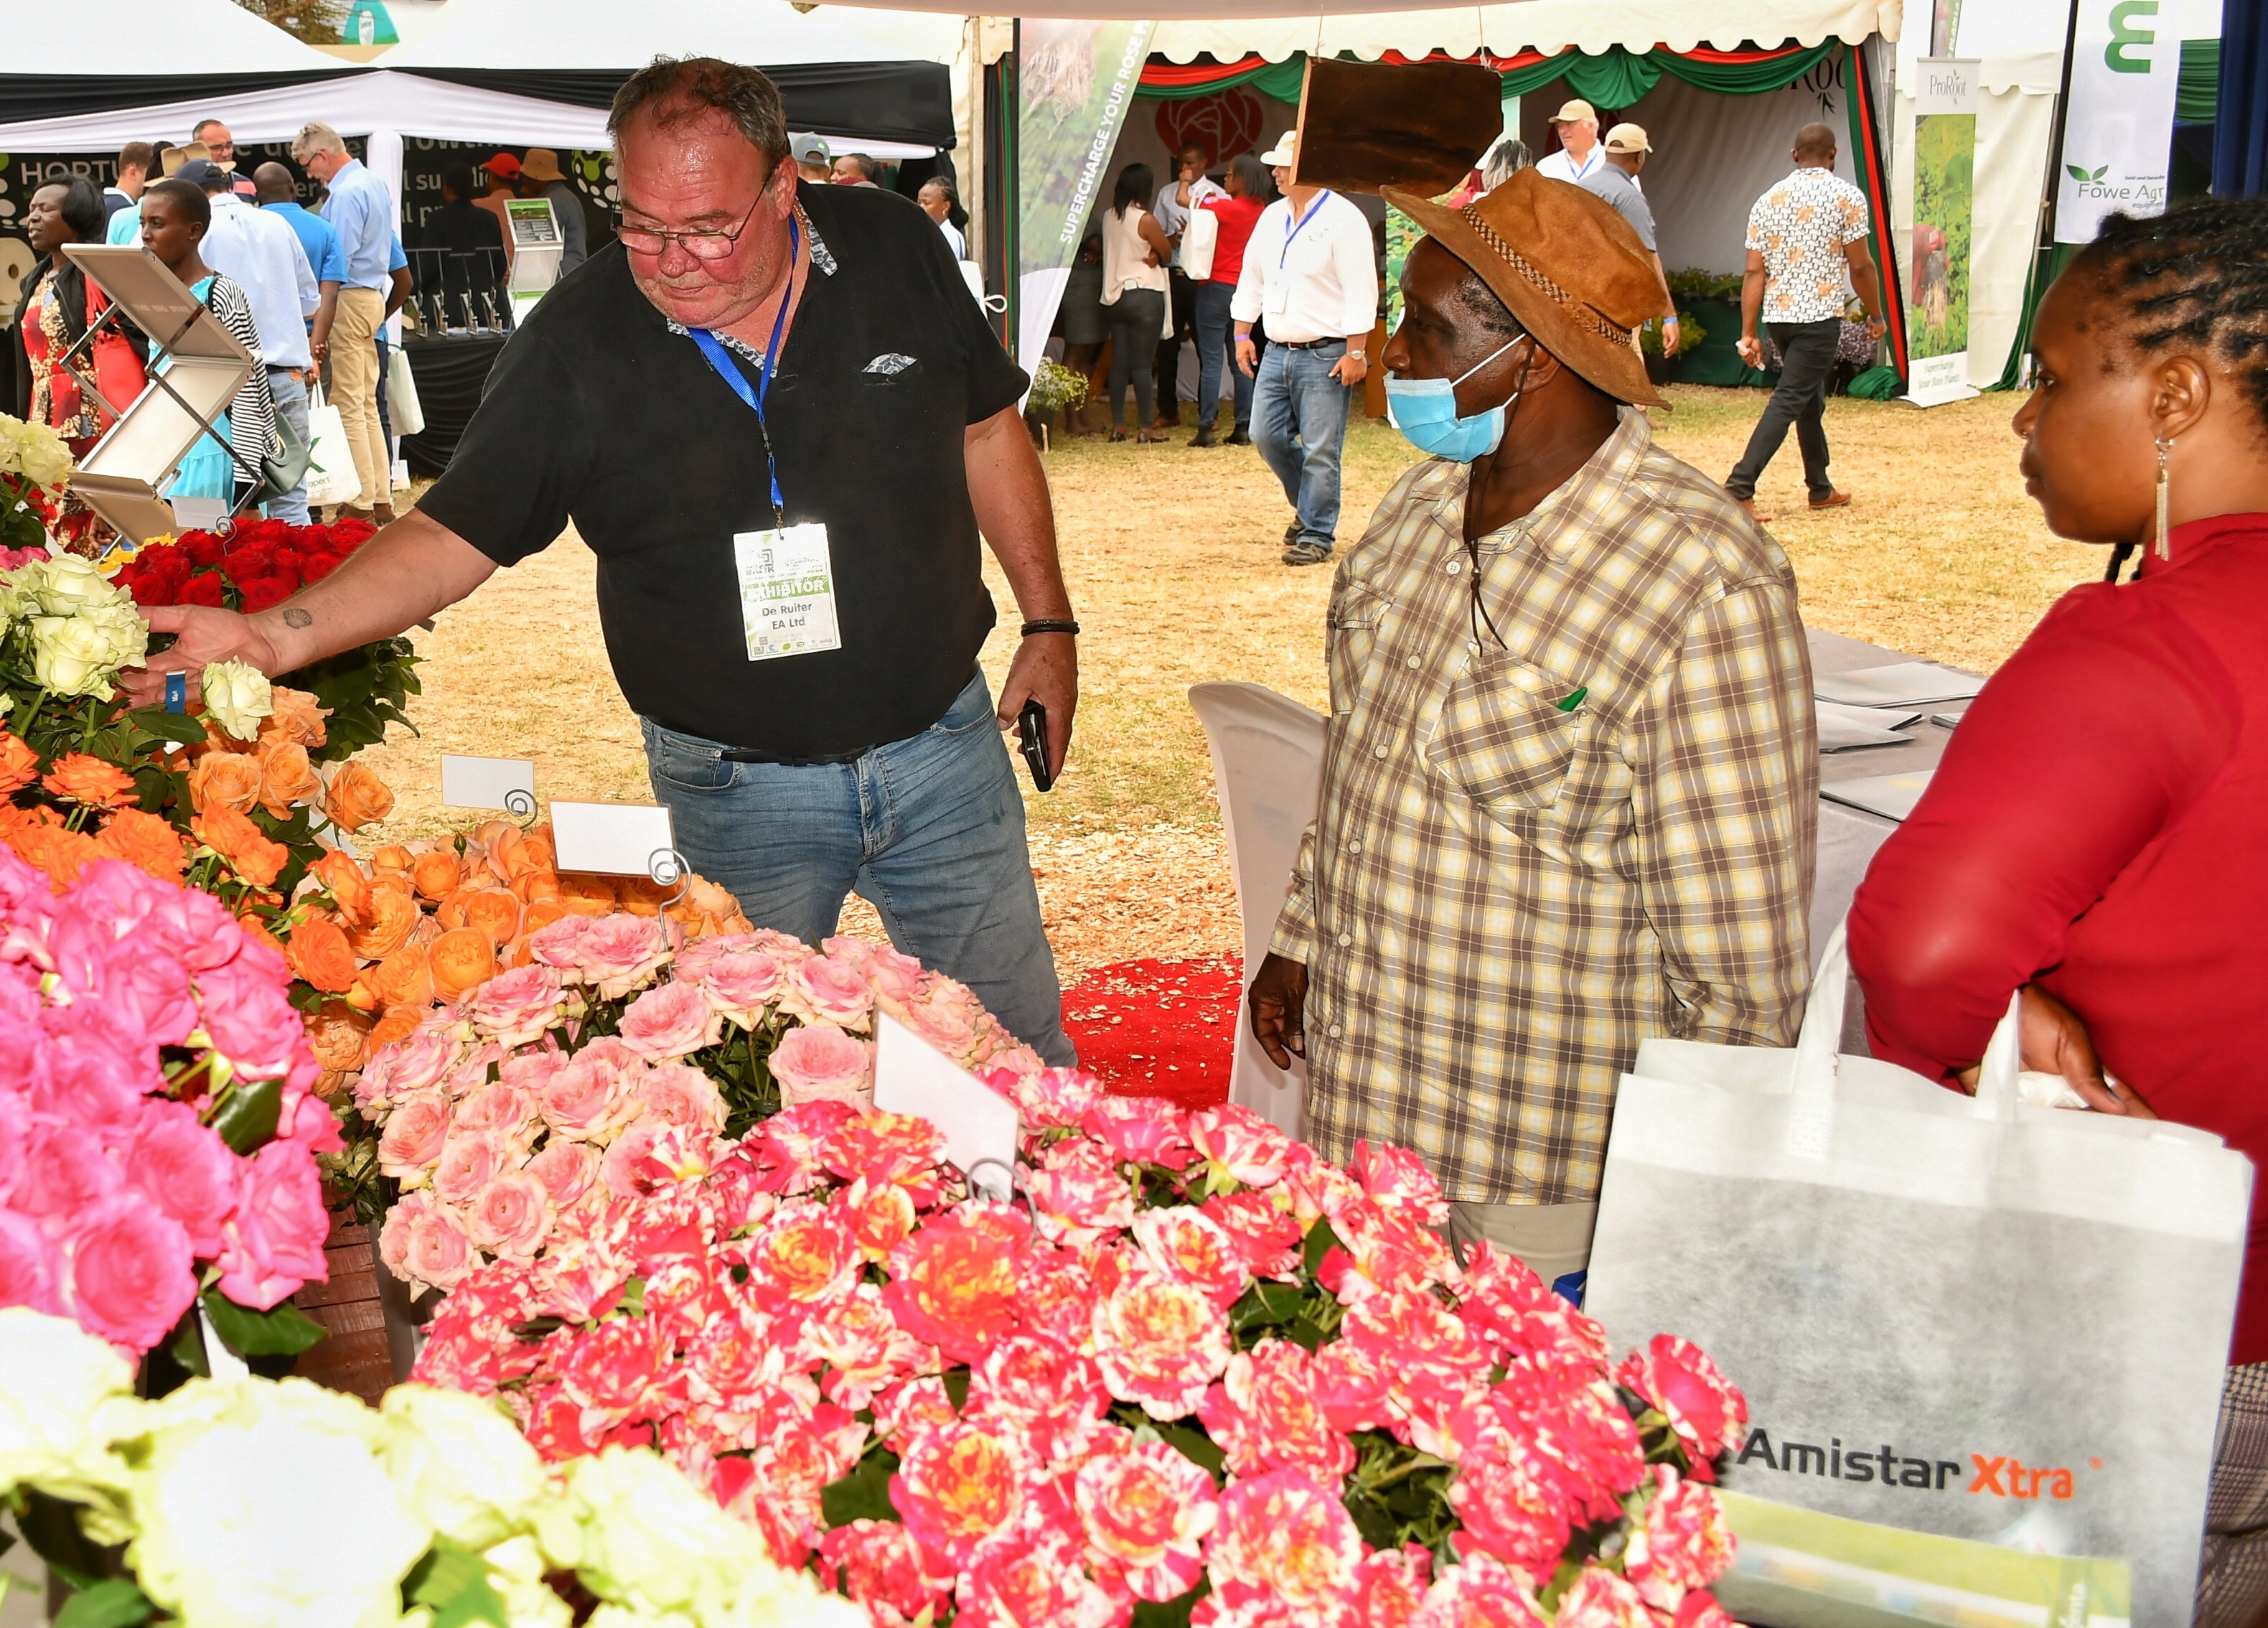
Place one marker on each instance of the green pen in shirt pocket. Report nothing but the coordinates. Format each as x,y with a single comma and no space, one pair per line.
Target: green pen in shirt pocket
1574,699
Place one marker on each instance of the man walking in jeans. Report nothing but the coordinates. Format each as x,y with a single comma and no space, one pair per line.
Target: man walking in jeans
1804,234
1310,267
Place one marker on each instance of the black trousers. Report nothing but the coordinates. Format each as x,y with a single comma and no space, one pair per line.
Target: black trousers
1807,362
1168,364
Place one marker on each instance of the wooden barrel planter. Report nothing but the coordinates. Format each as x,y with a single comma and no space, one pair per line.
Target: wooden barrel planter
356,1353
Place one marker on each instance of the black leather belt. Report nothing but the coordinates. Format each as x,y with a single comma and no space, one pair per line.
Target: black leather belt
1308,344
749,754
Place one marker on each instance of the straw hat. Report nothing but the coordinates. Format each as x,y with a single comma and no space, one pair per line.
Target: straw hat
541,166
1570,269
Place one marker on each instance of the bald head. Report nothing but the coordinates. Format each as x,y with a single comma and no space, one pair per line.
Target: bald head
274,184
1814,143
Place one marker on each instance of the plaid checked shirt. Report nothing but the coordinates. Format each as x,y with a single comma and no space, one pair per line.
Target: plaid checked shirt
1530,857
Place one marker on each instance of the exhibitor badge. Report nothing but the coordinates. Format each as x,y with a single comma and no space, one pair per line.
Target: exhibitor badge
787,591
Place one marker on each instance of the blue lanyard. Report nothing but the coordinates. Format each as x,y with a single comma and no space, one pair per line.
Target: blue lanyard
719,358
1300,225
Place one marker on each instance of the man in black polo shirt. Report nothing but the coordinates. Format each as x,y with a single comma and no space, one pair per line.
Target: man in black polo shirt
799,643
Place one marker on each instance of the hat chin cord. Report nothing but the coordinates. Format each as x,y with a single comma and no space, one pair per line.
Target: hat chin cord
1472,547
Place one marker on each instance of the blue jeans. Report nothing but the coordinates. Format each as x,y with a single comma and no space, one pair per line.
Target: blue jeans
929,830
1299,422
291,407
1216,350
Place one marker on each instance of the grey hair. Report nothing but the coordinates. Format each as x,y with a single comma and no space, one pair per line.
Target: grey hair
678,89
314,138
1506,159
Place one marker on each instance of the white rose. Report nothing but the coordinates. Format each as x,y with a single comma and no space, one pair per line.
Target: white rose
236,697
264,1505
650,1539
57,1378
516,1569
63,584
79,655
459,1464
34,450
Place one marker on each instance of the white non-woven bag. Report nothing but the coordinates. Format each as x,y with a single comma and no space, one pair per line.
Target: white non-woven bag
1200,237
331,477
1982,1343
404,411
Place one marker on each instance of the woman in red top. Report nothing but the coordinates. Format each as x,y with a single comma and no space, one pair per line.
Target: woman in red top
2094,834
1249,190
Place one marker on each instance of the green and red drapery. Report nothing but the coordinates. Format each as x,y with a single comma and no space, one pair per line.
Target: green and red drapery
1616,78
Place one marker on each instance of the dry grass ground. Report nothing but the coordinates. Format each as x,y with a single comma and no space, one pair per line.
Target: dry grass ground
1171,555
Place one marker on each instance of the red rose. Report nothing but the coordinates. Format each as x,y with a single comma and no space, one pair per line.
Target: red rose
320,566
353,533
202,548
207,587
261,593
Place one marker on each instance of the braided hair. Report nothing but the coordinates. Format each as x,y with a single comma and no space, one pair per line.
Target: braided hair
2196,276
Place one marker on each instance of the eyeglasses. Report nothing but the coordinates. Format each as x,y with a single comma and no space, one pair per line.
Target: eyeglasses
703,244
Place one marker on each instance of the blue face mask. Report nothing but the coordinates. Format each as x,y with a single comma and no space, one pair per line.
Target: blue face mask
1425,411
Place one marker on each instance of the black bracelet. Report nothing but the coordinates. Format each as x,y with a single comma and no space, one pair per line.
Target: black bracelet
1051,625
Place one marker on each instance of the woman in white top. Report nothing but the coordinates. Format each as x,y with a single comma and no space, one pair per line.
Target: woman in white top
1135,250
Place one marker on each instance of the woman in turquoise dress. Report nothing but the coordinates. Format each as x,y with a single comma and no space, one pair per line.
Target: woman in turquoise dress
174,218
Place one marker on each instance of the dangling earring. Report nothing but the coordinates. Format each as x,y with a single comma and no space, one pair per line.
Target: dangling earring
2165,450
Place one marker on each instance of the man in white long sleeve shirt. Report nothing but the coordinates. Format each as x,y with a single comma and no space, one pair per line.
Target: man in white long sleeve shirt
263,254
1311,272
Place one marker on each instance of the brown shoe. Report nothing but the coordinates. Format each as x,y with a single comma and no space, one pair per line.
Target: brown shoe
1833,500
1748,508
383,515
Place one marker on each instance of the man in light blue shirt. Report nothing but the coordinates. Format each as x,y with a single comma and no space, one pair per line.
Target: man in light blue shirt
361,211
264,257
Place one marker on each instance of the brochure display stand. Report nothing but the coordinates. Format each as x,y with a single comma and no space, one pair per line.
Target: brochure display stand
536,246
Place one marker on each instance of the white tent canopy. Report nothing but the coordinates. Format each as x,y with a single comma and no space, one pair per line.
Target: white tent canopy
1277,28
572,35
124,37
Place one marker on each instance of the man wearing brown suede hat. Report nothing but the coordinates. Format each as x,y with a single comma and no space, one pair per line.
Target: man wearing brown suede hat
1569,790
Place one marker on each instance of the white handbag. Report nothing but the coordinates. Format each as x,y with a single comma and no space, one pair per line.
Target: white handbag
331,477
1200,236
403,408
1982,1344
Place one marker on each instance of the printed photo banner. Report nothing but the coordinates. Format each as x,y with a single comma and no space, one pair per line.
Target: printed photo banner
1937,283
2118,124
1076,79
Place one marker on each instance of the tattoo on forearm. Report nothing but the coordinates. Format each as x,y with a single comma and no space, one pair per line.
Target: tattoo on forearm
297,618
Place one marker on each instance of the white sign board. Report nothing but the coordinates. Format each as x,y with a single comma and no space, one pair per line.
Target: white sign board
616,839
2118,126
505,783
913,1077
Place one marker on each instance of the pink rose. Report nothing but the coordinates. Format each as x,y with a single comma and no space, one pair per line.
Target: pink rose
669,1022
405,1067
186,1171
1683,1543
1599,1598
1144,1131
895,976
1706,1410
627,1170
617,953
1240,1144
94,1075
29,1266
512,1217
504,1107
411,1143
677,1093
129,1272
822,1064
275,1241
515,1007
430,1250
147,991
470,1159
741,987
1078,1194
559,946
590,1099
947,1023
827,990
565,1169
65,1174
252,1024
1399,1180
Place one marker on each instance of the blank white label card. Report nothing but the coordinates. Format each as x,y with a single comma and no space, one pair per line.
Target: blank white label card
505,783
615,839
913,1077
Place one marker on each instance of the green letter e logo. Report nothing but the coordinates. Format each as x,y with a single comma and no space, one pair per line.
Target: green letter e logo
2124,36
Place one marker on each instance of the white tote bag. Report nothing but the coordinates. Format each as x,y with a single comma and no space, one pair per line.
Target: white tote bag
1200,236
1982,1343
331,475
403,411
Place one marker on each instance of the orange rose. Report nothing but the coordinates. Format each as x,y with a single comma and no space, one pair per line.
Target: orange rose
541,914
393,913
357,798
587,906
145,842
82,777
639,896
54,850
227,780
599,890
529,886
426,932
393,881
350,889
541,850
320,954
297,718
248,850
494,911
335,1034
256,930
392,857
404,979
511,855
488,832
437,875
19,765
286,777
462,960
399,1024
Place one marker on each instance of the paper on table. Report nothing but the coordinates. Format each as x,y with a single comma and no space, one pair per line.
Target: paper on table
1891,796
505,783
1842,728
1949,717
913,1077
616,839
1903,683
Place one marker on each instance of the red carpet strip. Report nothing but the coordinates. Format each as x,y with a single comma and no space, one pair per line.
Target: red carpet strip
1162,1028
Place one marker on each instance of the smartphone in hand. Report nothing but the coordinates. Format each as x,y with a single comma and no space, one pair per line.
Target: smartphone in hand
1032,727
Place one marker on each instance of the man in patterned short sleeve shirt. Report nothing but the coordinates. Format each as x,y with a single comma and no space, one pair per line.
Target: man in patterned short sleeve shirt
1804,235
1570,785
